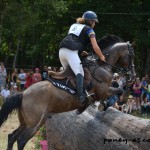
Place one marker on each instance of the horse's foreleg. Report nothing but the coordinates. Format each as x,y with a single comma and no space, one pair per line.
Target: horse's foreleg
13,137
113,94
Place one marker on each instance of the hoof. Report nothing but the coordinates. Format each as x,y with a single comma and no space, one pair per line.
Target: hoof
101,107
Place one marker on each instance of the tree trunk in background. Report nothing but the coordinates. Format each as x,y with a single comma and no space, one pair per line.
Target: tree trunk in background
93,130
17,51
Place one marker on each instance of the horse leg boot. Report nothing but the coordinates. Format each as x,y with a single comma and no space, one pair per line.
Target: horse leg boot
79,85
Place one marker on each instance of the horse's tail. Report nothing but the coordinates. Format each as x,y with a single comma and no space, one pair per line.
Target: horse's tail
11,103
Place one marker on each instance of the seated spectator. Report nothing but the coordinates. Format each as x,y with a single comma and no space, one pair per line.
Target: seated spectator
5,92
120,103
14,90
130,102
125,108
148,108
144,105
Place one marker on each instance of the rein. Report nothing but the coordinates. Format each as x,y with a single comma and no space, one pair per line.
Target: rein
113,66
92,63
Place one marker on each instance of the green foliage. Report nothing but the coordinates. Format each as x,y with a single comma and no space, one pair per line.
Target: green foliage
42,24
39,136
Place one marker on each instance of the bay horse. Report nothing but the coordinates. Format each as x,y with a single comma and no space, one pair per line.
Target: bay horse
43,99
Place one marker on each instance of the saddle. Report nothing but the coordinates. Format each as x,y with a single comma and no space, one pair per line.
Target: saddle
69,76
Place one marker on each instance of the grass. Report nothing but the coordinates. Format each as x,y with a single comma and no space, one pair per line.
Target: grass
8,127
138,114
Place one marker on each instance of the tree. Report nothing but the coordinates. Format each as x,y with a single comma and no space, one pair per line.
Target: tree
39,26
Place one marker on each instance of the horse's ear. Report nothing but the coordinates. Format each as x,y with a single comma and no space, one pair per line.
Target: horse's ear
133,44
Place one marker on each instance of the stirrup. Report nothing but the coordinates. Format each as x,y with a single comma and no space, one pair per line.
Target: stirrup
89,96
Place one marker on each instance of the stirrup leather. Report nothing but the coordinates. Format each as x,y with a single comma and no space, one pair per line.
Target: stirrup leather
89,96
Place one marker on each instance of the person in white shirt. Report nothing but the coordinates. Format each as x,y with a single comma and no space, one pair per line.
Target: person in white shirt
22,78
5,92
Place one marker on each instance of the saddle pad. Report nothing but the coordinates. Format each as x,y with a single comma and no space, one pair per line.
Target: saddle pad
62,85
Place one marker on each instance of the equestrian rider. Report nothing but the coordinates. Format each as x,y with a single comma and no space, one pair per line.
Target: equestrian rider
79,36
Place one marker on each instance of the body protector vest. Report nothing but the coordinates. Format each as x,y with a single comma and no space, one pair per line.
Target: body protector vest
78,37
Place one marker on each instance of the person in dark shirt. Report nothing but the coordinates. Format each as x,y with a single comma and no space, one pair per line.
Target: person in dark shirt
44,73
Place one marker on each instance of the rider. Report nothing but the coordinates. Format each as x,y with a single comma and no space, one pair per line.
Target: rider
79,36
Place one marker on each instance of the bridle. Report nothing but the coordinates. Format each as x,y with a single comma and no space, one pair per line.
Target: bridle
131,67
125,70
128,69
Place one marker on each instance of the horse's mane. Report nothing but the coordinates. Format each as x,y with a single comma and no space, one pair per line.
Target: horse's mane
109,40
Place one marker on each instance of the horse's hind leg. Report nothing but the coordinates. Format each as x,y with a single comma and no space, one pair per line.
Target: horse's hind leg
25,136
13,137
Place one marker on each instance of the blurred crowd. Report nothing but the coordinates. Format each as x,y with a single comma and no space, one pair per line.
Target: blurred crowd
20,79
136,94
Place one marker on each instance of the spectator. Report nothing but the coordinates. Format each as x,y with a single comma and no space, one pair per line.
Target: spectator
122,82
137,93
5,92
14,90
44,73
120,103
130,102
61,69
148,91
22,78
28,79
14,77
144,105
3,75
36,77
49,68
147,77
130,84
143,88
115,80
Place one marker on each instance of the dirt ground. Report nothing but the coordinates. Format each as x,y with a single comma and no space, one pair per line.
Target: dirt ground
10,125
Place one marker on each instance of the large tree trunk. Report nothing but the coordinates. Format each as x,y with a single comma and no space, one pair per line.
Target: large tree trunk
17,52
93,130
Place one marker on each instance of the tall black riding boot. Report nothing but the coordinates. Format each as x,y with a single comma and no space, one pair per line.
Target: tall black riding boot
79,83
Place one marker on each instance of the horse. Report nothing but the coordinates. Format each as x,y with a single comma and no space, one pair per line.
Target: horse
44,99
119,52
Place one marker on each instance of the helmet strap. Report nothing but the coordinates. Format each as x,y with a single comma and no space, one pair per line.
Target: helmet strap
87,23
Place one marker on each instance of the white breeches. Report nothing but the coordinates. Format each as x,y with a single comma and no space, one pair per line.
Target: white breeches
71,58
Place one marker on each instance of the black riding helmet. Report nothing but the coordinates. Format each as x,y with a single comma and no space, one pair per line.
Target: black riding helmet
90,15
